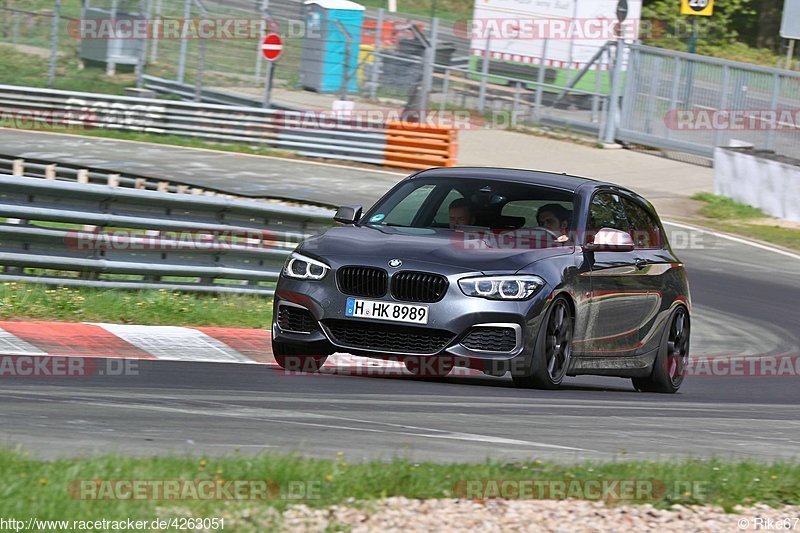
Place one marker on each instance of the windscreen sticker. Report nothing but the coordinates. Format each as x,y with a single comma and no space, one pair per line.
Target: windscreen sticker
377,218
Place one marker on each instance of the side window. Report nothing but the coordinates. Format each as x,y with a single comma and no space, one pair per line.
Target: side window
644,229
404,212
606,211
442,218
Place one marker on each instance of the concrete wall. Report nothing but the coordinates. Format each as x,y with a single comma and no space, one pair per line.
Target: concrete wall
770,185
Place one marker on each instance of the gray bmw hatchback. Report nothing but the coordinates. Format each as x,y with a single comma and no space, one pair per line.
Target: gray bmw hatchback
530,273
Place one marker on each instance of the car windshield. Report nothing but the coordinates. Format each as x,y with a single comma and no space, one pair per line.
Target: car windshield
460,204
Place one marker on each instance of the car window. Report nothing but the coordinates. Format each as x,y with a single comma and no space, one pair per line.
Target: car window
607,211
644,229
442,217
493,204
529,210
404,212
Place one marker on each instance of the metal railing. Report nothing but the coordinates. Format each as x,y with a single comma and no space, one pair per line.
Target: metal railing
666,92
94,235
48,169
310,134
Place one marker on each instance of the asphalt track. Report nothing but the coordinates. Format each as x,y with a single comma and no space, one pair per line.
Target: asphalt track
746,303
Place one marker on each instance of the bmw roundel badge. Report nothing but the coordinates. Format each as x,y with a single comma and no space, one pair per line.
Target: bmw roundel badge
395,263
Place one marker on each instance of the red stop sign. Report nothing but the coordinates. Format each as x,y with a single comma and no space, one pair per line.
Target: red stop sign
272,46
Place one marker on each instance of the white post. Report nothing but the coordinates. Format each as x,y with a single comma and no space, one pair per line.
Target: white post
187,12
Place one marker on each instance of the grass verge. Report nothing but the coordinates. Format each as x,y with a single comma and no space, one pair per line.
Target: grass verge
177,140
21,301
52,490
723,214
30,70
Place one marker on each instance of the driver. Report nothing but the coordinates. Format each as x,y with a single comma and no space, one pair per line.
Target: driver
553,217
461,213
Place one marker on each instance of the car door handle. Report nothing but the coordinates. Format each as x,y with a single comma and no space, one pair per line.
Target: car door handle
640,263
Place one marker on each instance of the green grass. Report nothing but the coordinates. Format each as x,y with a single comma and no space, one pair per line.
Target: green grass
40,488
178,140
723,208
724,214
22,301
18,68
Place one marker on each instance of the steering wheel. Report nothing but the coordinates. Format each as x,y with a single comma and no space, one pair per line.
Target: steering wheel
550,232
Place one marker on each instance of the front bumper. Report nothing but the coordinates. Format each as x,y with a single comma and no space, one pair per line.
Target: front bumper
456,314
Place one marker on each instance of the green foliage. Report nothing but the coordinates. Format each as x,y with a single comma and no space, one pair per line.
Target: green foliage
722,207
21,301
719,35
42,488
674,29
724,214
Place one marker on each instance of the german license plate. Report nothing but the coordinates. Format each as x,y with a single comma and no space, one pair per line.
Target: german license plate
415,314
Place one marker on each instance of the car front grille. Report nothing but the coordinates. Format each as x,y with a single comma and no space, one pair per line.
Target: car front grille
419,286
296,320
362,281
491,339
388,337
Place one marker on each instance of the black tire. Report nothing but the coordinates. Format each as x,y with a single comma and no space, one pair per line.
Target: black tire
669,368
553,350
291,359
429,367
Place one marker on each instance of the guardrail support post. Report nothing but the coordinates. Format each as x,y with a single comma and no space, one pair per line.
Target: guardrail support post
50,172
113,180
139,183
83,175
18,167
163,186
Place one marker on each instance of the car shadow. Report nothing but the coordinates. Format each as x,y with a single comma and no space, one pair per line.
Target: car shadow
473,380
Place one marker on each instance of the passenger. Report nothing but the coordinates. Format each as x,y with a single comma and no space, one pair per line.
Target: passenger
461,213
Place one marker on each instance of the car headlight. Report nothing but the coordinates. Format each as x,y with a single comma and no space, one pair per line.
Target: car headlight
501,287
302,267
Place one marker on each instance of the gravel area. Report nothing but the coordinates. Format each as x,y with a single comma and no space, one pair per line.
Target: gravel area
405,515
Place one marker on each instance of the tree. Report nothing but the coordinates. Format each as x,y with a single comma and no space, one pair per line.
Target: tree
672,30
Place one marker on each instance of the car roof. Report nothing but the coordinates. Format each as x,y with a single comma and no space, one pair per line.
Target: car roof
533,177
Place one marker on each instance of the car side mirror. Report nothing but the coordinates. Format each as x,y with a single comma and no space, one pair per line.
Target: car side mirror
348,214
610,240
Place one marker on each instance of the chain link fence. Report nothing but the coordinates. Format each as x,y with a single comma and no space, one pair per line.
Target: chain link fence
412,63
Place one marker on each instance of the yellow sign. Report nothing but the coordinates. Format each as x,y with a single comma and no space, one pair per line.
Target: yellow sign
701,8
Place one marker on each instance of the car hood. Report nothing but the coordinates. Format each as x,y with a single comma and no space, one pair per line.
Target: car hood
458,251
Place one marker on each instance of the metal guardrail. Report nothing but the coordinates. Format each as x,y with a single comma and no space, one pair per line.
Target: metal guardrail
47,169
186,91
309,134
94,235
